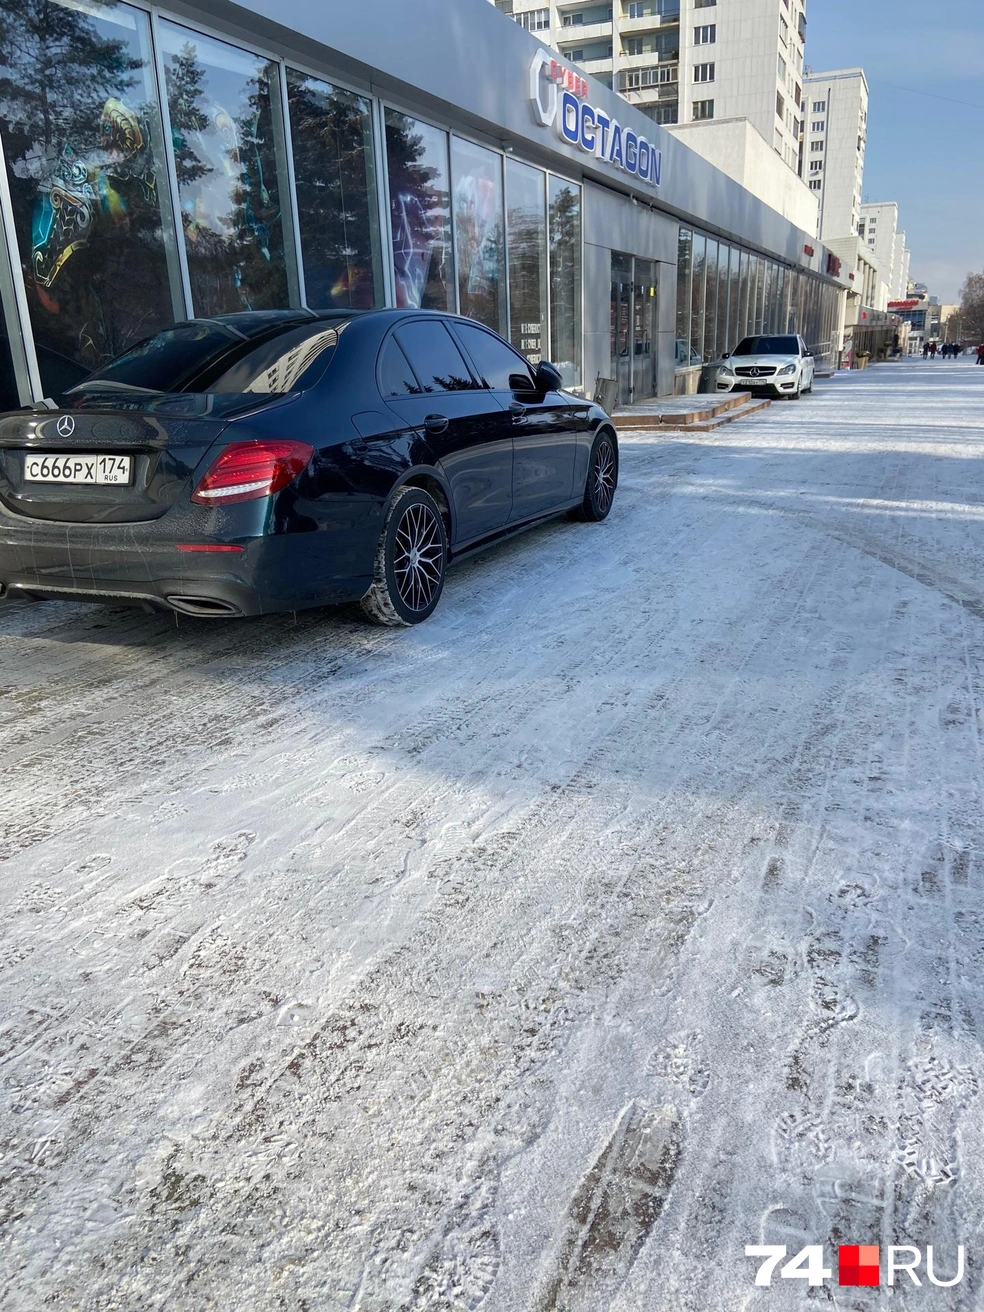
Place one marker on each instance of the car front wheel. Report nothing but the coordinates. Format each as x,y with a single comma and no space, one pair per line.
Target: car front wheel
602,480
411,561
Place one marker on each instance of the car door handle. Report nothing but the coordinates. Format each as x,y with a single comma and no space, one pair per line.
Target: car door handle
435,423
517,410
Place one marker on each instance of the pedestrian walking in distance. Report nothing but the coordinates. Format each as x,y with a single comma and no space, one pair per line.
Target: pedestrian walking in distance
980,353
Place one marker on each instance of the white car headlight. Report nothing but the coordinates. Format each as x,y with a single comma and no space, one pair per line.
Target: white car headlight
787,369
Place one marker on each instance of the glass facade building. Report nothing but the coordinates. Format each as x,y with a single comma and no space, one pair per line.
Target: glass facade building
155,169
725,293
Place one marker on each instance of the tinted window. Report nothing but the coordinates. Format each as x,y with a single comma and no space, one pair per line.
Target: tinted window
436,360
767,346
288,362
498,364
395,375
160,363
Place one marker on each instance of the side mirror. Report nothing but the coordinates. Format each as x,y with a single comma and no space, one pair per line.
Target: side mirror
726,356
548,377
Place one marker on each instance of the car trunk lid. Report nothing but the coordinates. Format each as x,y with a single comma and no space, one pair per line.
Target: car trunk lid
162,441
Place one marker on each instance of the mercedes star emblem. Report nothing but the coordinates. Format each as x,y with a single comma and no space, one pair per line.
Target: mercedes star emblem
65,426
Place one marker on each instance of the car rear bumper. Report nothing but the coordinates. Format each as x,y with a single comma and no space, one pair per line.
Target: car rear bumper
114,564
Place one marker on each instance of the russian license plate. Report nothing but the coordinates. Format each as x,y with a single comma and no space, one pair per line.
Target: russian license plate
79,468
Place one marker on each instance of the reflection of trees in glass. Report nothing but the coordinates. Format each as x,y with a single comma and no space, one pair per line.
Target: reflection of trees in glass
526,237
79,127
227,180
185,78
416,163
478,232
565,279
332,142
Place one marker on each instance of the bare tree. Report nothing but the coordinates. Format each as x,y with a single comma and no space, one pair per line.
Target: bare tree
972,308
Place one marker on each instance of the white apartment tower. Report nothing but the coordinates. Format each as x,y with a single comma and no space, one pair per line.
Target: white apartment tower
834,138
683,61
878,228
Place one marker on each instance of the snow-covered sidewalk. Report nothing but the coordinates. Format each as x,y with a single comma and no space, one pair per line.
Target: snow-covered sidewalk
626,913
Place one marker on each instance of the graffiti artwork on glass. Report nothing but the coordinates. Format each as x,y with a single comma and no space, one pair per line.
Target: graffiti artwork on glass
478,232
526,229
417,165
81,134
331,135
225,154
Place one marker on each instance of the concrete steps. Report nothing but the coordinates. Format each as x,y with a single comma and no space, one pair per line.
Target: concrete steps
696,414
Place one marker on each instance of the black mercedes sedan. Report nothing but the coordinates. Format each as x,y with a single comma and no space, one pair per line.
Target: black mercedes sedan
275,460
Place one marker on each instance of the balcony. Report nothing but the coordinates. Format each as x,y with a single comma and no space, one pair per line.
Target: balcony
650,23
579,34
596,66
660,92
649,59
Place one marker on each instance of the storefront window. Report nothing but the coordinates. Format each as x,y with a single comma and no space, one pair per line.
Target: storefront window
744,293
759,324
710,300
83,142
526,229
478,233
683,297
621,334
219,100
565,279
735,327
335,186
697,298
420,209
724,256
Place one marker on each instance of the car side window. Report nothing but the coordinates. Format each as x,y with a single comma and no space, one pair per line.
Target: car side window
435,357
396,378
500,368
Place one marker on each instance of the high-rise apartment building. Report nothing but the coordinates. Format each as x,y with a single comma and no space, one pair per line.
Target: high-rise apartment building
878,228
834,138
684,61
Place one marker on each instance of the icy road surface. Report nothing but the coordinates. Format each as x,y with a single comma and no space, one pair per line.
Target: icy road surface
626,913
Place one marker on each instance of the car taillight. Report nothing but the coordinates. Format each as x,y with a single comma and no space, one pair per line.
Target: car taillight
247,470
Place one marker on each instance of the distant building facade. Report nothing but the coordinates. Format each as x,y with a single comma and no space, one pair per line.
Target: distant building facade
686,61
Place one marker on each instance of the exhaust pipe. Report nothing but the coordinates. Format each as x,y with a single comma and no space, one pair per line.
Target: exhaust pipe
204,607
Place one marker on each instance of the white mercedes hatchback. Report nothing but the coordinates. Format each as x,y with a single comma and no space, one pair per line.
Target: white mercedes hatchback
777,364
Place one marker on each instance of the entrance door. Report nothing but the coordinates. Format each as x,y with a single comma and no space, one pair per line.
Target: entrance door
644,331
621,336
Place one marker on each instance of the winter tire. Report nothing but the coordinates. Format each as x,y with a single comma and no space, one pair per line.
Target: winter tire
411,561
602,479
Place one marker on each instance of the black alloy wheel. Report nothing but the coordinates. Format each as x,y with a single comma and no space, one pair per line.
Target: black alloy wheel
602,480
411,561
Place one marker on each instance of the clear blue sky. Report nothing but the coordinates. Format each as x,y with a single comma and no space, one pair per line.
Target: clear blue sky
927,153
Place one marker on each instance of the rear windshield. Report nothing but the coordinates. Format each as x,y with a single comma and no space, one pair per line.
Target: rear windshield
161,363
288,363
767,346
210,356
